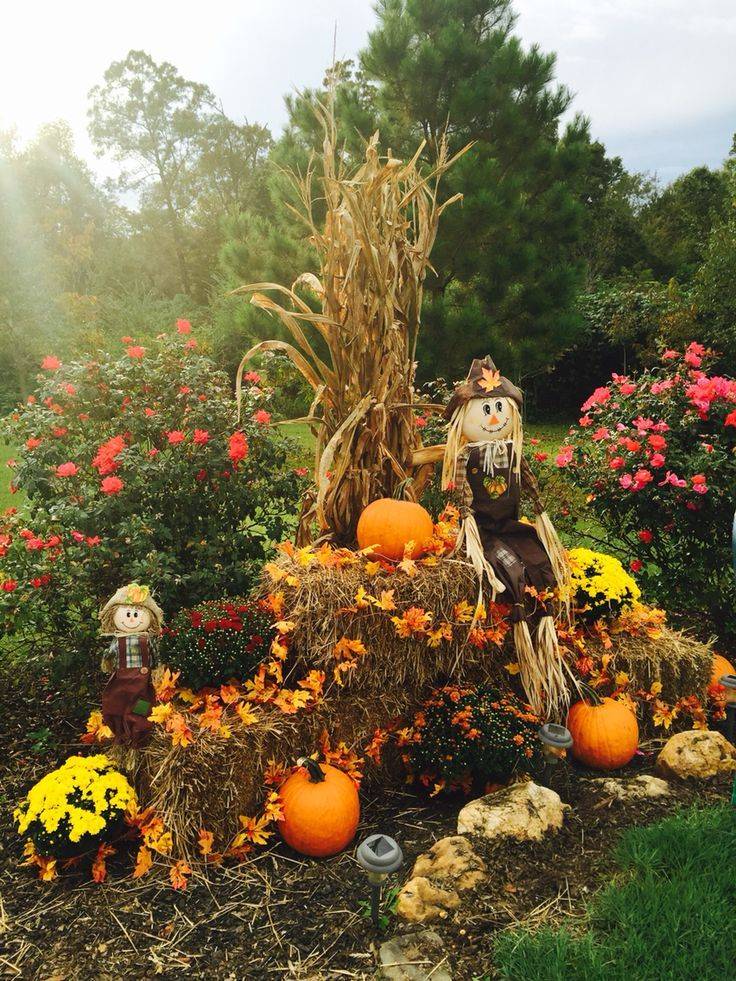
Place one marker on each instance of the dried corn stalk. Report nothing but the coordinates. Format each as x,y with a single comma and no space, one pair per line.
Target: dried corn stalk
373,250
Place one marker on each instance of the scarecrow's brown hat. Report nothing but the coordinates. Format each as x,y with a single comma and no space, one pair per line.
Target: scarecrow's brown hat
483,381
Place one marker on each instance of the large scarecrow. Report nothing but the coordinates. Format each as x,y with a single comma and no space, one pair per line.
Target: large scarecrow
525,563
132,618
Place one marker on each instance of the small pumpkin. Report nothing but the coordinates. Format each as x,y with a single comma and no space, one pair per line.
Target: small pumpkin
721,666
390,525
605,733
321,809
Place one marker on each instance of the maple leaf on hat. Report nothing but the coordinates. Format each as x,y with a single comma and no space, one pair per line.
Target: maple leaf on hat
491,379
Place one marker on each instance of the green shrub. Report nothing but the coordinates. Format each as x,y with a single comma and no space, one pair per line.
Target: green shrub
216,642
466,736
137,469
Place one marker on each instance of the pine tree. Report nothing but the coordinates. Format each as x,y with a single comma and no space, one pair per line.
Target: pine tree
508,262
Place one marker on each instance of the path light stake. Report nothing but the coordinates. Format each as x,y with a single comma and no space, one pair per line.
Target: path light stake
555,741
379,855
729,683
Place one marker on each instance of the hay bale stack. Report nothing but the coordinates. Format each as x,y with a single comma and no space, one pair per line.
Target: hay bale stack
213,781
675,658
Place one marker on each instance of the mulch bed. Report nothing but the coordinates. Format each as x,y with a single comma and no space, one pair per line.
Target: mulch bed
278,916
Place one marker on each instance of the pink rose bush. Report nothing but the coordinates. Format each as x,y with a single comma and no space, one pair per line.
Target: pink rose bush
656,456
135,468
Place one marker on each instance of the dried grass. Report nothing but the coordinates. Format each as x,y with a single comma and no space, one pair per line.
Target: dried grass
373,248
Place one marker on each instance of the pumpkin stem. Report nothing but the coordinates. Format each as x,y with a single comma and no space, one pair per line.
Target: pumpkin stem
312,767
590,695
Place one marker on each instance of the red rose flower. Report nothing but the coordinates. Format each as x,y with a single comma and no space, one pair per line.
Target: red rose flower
32,443
135,351
68,469
645,536
201,436
636,565
9,585
263,418
238,448
50,363
111,485
175,436
183,327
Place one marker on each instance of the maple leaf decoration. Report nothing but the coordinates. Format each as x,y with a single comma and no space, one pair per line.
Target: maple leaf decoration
490,380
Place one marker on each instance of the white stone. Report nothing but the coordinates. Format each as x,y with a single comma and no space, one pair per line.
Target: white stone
698,754
524,811
414,957
642,787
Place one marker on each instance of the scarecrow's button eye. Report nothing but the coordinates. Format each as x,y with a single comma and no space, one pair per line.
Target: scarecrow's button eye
487,408
499,406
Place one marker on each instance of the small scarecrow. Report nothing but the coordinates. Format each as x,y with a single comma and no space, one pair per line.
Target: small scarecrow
483,460
133,619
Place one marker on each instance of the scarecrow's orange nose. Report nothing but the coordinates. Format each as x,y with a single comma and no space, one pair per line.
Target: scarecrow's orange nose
494,420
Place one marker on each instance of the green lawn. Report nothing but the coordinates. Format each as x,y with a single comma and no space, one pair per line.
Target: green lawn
669,913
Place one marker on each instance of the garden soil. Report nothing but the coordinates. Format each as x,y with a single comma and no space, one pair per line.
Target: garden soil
278,916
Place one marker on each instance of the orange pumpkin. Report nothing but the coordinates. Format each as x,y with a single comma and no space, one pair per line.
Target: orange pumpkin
605,735
721,666
390,525
321,809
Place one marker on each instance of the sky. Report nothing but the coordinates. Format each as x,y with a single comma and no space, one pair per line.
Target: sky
655,77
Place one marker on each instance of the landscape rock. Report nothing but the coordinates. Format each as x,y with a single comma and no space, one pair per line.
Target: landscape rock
697,754
414,957
524,811
451,859
421,900
642,787
439,876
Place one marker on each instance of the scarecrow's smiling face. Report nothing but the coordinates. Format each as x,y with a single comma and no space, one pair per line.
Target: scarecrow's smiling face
487,419
131,619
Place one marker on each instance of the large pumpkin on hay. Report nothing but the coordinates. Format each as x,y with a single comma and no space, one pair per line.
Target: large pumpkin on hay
321,809
721,666
390,525
605,734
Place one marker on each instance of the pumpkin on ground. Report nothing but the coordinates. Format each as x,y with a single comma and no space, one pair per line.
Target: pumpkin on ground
321,809
390,525
605,734
721,666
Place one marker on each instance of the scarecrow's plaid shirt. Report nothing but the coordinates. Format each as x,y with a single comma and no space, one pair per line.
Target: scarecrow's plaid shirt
133,653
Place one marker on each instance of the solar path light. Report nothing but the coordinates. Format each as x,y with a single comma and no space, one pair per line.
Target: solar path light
555,741
379,855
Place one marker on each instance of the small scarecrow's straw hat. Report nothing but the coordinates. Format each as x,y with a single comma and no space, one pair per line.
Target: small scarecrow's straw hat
131,595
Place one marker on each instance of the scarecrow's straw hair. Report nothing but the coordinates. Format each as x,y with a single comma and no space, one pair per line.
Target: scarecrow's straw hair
373,250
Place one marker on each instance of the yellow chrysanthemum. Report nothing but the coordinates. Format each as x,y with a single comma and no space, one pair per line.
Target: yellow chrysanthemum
77,799
600,584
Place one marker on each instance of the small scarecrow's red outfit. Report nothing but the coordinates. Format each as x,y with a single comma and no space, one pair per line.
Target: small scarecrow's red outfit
129,695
